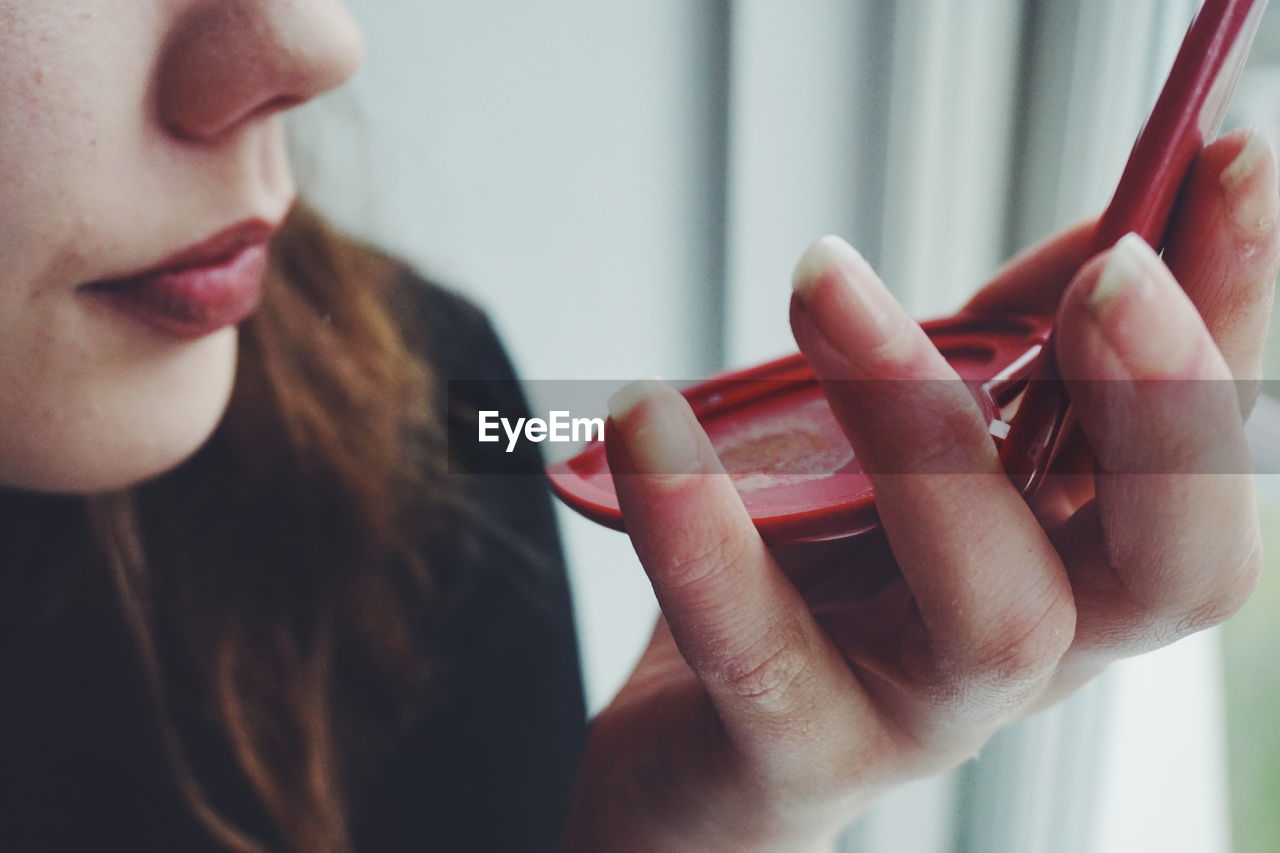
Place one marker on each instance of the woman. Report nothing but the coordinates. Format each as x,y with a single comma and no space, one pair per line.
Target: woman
247,605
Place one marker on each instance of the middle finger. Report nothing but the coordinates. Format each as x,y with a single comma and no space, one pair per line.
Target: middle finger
994,604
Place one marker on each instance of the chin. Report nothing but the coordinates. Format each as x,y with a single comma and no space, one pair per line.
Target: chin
76,472
100,466
121,432
105,476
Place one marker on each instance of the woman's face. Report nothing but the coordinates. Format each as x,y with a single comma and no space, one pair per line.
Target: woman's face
142,169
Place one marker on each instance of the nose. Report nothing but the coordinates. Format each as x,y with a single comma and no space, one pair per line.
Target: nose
226,62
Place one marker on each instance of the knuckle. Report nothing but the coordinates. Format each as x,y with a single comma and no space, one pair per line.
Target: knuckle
1155,619
1263,248
770,673
1225,600
703,564
951,440
947,441
1026,646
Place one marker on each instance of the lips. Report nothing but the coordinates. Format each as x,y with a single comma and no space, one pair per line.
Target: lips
199,290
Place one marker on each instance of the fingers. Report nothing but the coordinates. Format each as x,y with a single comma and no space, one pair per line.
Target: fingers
1170,545
1224,247
994,603
780,688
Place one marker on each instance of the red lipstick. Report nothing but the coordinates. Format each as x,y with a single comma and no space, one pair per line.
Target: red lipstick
208,286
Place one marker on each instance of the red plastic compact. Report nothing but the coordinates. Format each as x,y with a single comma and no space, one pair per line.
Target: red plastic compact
771,425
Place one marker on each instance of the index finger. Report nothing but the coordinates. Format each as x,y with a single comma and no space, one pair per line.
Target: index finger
785,695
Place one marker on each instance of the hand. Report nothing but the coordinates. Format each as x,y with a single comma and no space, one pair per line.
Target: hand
774,700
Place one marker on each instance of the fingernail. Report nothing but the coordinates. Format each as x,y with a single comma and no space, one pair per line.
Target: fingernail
1151,332
653,420
844,297
1251,200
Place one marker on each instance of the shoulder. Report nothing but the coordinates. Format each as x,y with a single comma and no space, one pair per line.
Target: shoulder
454,334
472,373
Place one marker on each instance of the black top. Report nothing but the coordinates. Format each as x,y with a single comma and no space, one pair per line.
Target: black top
487,766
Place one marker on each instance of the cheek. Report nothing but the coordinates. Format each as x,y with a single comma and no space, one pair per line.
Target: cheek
74,82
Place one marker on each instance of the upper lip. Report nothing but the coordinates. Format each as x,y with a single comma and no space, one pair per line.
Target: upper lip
210,252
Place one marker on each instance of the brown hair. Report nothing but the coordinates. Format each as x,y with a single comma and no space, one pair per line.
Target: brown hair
285,558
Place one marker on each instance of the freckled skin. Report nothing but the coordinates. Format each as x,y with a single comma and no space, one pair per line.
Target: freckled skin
100,177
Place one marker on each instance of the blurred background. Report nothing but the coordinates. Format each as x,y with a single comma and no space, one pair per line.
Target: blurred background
625,186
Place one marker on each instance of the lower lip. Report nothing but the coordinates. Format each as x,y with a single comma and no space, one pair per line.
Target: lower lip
191,303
